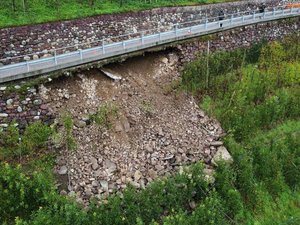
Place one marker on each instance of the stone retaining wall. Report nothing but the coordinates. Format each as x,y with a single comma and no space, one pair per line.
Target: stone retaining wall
39,41
22,109
242,37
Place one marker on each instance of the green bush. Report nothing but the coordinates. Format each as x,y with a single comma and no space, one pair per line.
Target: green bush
35,137
21,194
105,114
68,126
9,142
254,103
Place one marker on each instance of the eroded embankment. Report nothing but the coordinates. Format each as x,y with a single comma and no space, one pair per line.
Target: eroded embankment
156,130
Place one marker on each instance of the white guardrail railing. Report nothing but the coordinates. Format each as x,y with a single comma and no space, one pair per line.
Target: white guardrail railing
107,47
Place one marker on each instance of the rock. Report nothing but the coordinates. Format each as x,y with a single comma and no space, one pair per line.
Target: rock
63,170
152,173
104,185
72,194
80,123
4,125
9,101
110,166
126,126
168,157
46,56
118,126
17,87
3,88
94,162
63,192
88,192
19,109
37,102
35,57
222,155
60,160
164,60
3,115
66,96
95,183
32,90
192,205
216,143
26,58
137,175
36,117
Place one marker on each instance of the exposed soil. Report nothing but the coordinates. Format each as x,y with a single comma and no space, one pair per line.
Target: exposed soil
157,129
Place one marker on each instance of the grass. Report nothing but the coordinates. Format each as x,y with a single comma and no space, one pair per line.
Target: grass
40,12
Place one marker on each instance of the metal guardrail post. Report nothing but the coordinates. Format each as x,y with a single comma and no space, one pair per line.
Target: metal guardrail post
123,44
81,56
231,19
27,64
142,38
55,59
273,11
243,18
206,24
103,47
264,15
159,36
254,15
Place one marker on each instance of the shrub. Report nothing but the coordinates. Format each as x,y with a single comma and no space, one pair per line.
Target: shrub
21,194
35,137
9,142
105,114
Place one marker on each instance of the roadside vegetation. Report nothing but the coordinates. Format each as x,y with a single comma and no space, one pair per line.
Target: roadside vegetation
255,94
21,12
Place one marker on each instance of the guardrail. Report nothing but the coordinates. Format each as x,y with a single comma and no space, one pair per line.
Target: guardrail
137,41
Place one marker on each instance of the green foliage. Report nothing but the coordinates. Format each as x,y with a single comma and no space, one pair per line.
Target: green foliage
169,195
255,100
147,107
9,142
13,144
35,137
210,211
21,194
63,136
105,115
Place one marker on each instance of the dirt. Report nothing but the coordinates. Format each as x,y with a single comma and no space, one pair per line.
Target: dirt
157,129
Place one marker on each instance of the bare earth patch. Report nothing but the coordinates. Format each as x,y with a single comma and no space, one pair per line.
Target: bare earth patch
156,131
